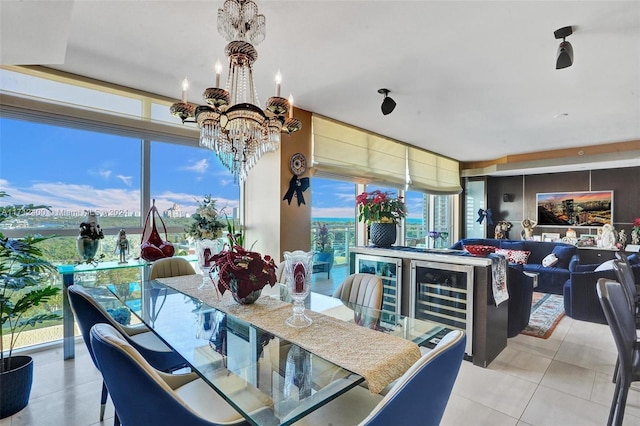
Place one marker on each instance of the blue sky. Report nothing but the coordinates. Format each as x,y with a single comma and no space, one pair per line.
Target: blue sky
75,170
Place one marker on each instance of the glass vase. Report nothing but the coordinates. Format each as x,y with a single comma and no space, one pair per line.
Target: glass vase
298,268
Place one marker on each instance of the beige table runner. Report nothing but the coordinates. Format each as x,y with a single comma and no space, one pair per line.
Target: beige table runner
379,358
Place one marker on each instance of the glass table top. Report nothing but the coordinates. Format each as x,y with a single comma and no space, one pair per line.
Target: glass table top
267,379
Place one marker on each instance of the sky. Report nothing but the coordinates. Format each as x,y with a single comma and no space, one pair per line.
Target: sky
75,170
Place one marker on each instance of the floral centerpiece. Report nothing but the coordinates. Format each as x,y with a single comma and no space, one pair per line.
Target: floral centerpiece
242,272
206,225
382,212
378,206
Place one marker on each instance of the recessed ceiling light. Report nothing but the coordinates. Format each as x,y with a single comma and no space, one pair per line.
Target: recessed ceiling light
561,115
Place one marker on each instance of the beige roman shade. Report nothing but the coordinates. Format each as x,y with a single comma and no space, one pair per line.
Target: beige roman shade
346,152
432,173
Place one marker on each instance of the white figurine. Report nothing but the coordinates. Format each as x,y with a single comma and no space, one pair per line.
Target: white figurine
622,238
527,228
608,240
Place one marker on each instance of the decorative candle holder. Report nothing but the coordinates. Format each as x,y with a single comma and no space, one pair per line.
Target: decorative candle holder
298,267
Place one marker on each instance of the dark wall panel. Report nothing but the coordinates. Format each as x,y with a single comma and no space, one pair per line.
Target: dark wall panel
624,182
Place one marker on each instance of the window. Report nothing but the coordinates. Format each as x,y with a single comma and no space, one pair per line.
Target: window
76,160
181,176
333,205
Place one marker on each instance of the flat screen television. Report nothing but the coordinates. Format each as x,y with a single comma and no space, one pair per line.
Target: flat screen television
575,209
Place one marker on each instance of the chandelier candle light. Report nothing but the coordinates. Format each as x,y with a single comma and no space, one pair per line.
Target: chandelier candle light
231,124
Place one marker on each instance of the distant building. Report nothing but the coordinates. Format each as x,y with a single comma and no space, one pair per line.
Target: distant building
173,211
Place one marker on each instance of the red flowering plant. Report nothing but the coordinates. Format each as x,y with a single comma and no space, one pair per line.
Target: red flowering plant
378,206
242,271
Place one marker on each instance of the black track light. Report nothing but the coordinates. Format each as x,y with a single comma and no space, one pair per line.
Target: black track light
564,57
388,104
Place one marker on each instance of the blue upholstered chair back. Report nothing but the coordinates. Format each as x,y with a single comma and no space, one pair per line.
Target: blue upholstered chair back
139,394
89,312
420,396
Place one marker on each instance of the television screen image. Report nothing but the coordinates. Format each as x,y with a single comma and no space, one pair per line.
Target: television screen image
589,208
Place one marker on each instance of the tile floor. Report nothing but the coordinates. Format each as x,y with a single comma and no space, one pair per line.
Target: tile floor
565,380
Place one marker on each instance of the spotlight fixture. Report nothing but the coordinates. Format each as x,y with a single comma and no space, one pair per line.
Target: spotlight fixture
388,104
564,57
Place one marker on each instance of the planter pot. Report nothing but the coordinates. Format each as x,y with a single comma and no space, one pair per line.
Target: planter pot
382,234
15,385
247,300
325,257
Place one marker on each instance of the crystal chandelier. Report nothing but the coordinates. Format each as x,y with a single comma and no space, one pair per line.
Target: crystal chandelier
231,124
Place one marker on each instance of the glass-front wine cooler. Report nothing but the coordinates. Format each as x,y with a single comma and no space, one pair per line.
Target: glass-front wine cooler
390,271
442,293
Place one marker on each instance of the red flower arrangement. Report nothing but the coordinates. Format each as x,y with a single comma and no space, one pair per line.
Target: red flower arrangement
242,272
378,206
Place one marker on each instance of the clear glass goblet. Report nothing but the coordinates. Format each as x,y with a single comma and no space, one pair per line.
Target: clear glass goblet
298,267
444,236
434,237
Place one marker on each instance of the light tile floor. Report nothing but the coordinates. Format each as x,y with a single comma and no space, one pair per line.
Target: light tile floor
564,380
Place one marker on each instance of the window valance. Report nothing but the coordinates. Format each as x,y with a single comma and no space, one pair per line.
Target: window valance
344,151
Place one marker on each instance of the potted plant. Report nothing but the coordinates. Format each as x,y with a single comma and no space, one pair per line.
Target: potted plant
324,251
382,212
23,273
242,272
205,230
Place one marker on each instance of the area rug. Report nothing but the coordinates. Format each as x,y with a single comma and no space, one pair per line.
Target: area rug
546,312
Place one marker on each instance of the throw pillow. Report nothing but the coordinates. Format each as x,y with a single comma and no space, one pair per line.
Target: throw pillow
515,256
564,255
605,266
549,261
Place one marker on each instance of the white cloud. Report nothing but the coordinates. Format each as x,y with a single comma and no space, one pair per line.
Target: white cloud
198,167
103,173
337,212
125,179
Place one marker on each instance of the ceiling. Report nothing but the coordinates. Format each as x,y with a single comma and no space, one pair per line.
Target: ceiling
473,80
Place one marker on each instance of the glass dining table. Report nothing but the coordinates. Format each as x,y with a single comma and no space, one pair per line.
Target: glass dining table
267,379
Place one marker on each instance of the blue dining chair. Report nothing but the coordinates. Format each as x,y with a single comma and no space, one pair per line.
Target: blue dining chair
620,318
419,397
145,396
88,312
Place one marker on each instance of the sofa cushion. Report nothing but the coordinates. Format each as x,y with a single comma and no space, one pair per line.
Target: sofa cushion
564,255
515,256
549,260
511,245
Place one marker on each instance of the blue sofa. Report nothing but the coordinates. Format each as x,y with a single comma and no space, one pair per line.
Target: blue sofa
580,297
550,279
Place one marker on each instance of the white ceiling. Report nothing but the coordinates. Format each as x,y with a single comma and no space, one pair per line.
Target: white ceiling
473,80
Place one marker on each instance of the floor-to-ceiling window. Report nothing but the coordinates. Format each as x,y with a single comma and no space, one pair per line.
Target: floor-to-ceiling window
333,217
92,163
